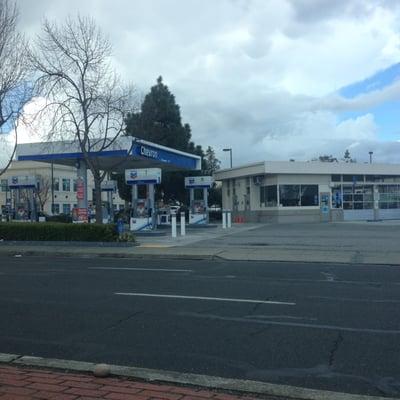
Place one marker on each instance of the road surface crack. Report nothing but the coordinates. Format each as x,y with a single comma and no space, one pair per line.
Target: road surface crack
334,349
123,320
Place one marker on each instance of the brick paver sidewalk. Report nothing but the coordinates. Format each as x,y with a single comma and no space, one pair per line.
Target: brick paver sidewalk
26,384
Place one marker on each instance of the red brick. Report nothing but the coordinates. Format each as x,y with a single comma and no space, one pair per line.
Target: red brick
47,387
86,392
121,389
14,370
83,385
190,397
14,397
39,379
189,392
222,396
13,382
124,396
79,378
54,396
205,393
152,386
17,390
39,374
161,395
91,398
10,375
113,381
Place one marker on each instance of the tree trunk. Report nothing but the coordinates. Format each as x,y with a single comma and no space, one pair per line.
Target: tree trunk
97,199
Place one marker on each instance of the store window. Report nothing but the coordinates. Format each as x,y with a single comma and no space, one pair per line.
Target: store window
66,208
289,195
4,185
298,195
271,195
74,185
336,178
66,185
309,195
337,198
56,209
389,196
56,184
356,197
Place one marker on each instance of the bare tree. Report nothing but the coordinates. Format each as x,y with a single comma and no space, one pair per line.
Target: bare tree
86,102
14,88
43,192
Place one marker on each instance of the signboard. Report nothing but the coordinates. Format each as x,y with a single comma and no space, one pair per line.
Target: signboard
109,186
143,176
80,189
166,156
82,214
22,182
199,182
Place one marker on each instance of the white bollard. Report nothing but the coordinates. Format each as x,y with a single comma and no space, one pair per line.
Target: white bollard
183,226
173,224
229,219
223,219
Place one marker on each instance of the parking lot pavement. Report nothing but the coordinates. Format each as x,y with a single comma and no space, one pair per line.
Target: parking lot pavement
18,383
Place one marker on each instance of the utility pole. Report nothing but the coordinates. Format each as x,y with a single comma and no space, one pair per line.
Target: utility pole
230,153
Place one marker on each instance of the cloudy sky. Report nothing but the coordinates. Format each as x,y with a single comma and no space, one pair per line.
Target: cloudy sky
273,79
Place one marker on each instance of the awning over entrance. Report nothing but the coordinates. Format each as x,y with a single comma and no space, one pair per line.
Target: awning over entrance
124,153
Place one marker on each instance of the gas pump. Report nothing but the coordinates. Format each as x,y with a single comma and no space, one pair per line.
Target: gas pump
23,193
198,211
110,187
143,214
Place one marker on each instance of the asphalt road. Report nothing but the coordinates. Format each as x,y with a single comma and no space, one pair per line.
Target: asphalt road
334,327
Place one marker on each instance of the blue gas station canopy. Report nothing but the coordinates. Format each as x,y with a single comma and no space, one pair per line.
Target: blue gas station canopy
121,154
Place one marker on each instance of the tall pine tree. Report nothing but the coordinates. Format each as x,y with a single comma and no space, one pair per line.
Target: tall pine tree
159,120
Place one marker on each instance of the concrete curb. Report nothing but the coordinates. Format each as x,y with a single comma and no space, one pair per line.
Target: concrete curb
210,382
166,255
139,256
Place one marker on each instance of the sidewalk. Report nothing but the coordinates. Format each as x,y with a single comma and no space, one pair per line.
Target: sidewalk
348,243
18,383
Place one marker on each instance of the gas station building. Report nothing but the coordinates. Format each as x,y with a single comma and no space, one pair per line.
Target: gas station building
118,155
293,191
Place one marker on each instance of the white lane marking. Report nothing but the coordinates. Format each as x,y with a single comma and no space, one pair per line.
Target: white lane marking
292,324
170,296
143,269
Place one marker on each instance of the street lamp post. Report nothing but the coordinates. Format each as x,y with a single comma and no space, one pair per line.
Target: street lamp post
230,152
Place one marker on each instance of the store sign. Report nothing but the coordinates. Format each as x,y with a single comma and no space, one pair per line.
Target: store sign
199,182
80,189
143,176
82,214
109,186
22,182
147,152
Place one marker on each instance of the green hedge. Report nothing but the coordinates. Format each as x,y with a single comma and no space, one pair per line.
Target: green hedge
52,231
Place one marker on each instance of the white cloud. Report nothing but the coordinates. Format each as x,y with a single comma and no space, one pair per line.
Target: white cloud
260,72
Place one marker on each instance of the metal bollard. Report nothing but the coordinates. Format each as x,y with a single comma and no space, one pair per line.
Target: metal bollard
183,226
229,219
223,219
173,224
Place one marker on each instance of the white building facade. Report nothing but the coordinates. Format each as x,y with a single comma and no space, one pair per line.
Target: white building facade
52,200
279,191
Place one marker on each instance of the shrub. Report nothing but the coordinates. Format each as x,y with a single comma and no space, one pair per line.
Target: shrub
59,218
52,231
